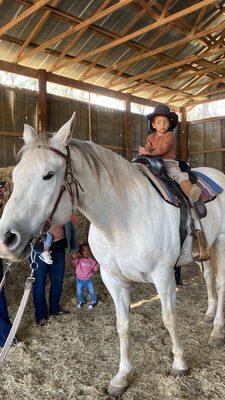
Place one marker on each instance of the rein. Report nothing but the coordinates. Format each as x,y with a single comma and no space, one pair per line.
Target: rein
68,181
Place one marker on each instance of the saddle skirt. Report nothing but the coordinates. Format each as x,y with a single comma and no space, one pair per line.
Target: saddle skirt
210,189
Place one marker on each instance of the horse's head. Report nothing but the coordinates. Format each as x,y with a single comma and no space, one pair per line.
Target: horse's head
37,180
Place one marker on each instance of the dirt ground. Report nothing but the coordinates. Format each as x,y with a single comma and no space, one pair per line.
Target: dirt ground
75,355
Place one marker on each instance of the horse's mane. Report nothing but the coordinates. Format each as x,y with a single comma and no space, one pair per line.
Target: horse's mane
120,172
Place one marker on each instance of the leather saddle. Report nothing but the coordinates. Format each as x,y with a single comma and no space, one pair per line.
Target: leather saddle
157,166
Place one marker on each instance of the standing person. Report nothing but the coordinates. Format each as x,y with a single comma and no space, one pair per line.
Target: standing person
161,143
63,237
85,268
5,324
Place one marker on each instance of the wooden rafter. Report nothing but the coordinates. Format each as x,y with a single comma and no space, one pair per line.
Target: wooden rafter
164,84
174,53
22,16
176,64
35,31
158,50
80,26
124,31
205,86
141,31
126,68
77,37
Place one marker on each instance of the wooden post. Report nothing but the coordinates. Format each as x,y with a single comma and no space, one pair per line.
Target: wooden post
183,142
89,119
42,101
128,141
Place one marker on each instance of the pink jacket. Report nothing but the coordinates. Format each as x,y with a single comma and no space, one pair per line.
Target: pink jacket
85,267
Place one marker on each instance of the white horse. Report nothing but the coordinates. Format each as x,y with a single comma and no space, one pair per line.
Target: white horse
134,234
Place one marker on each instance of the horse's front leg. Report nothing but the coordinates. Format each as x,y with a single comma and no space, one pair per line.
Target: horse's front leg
121,298
165,285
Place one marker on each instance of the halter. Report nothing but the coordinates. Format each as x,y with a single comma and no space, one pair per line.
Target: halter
68,181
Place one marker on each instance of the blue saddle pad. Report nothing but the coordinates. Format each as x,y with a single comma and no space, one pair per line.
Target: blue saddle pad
210,189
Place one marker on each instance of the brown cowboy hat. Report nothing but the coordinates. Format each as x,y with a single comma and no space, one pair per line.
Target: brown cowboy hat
162,109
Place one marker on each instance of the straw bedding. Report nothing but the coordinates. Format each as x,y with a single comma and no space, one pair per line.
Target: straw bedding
75,355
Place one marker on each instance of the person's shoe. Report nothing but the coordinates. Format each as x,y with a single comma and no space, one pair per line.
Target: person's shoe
46,257
42,322
193,192
15,341
92,305
80,305
62,312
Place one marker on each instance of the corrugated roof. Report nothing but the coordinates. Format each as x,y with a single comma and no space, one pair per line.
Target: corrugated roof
168,74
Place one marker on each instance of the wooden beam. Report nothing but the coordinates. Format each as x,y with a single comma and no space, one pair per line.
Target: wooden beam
62,80
18,69
22,16
42,101
218,150
141,31
82,25
183,140
153,52
97,30
35,31
11,133
128,139
123,32
77,37
172,65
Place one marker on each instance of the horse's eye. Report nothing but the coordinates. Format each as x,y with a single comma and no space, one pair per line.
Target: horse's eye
48,176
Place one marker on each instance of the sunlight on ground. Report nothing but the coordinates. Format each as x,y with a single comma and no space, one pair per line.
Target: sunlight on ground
141,302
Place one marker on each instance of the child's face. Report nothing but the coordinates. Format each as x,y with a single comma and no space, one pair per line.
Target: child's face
85,252
161,124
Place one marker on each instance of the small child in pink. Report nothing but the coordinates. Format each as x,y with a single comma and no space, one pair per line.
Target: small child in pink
85,268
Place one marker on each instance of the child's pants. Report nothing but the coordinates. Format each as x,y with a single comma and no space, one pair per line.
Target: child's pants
173,171
47,241
88,284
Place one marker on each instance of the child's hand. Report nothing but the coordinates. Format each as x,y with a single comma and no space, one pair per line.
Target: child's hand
141,150
74,255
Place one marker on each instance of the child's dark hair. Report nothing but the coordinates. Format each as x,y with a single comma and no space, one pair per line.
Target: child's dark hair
82,245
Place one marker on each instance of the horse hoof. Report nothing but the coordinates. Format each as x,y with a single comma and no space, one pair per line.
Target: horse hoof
208,318
178,372
216,341
116,391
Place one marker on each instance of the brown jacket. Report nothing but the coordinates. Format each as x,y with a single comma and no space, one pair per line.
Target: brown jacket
160,145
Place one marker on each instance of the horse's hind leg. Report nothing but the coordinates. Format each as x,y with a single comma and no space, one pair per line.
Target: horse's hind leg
208,275
165,285
217,335
120,293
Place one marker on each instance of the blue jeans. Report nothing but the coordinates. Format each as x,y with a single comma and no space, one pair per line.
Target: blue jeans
81,285
56,274
5,324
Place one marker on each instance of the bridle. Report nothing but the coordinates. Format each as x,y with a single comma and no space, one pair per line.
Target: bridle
67,184
68,181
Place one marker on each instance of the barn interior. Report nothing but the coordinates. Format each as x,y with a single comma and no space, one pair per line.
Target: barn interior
112,62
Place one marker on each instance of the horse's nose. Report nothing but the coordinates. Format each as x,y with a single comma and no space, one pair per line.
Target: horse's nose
11,239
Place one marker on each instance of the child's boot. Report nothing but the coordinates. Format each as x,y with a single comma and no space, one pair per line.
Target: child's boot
192,191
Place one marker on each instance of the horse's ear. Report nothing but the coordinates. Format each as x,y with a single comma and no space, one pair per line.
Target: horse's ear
64,134
29,133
